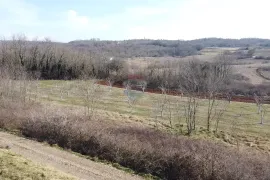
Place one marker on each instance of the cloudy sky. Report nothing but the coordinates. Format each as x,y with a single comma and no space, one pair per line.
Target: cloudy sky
66,20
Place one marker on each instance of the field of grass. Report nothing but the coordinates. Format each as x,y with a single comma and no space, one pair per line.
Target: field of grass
95,121
216,51
207,54
264,72
239,123
13,166
265,52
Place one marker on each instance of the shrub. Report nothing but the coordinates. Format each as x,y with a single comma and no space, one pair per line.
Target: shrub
149,151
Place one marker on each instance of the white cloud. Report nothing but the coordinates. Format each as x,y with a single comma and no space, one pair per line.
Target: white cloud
20,17
209,18
19,12
157,32
146,11
84,24
75,19
170,19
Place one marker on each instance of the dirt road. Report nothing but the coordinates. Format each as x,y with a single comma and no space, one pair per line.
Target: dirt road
249,70
61,160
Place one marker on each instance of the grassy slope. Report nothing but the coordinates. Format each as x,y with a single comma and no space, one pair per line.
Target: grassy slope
240,122
13,166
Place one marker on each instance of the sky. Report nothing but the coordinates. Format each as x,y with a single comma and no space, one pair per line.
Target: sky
67,20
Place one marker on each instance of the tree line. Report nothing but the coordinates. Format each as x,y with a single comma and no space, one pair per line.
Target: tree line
163,48
48,60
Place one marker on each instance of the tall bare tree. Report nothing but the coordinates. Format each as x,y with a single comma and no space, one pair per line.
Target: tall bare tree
259,102
204,78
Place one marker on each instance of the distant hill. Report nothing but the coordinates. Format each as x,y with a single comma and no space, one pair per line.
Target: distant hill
219,42
160,48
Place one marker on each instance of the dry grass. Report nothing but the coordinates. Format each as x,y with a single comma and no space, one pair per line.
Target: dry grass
249,70
239,123
129,139
13,166
142,149
115,102
264,72
265,52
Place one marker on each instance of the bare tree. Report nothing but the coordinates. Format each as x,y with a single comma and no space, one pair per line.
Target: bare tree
163,100
127,85
219,114
110,81
217,75
170,112
189,85
203,78
92,94
259,102
19,48
190,113
131,96
229,97
143,85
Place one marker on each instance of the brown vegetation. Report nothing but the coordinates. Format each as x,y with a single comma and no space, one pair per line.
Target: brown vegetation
144,150
47,60
263,72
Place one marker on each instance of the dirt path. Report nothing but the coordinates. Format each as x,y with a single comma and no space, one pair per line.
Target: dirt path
64,161
249,70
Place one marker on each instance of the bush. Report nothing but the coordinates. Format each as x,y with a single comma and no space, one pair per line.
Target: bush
149,151
142,149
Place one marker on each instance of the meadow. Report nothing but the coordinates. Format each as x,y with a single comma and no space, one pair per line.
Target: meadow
238,123
145,132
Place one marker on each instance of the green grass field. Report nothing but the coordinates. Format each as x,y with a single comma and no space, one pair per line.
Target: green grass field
239,123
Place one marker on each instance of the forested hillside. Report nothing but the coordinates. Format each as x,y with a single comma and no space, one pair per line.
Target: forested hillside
160,48
107,59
